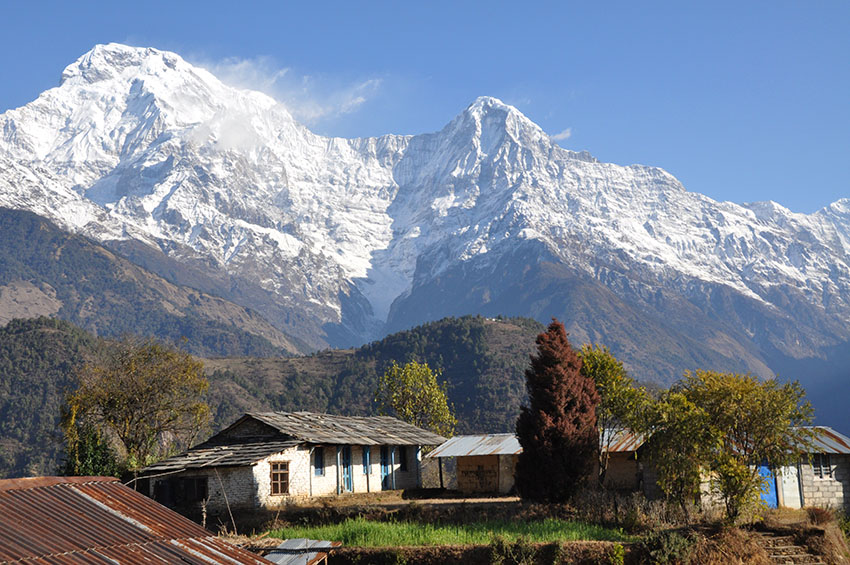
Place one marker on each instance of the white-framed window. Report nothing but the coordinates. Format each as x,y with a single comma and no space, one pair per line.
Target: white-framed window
821,465
319,461
279,478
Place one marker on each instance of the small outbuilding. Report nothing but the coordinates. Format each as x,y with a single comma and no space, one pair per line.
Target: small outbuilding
485,463
266,459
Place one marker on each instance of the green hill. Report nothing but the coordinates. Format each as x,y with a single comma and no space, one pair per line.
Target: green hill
482,359
37,359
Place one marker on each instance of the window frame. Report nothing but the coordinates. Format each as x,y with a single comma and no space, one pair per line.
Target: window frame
822,466
367,460
319,456
278,478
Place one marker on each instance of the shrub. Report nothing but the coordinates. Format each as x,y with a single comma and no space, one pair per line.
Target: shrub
668,546
820,516
617,554
843,521
504,552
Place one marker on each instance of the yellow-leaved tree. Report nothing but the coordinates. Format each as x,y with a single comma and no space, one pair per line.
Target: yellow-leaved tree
413,393
722,427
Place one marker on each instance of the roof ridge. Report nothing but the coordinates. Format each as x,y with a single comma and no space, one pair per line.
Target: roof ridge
41,482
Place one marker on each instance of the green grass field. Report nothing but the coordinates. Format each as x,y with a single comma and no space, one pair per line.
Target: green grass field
359,532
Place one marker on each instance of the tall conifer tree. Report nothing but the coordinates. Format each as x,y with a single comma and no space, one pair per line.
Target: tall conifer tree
557,430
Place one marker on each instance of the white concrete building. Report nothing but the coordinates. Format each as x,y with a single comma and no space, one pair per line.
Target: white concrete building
265,460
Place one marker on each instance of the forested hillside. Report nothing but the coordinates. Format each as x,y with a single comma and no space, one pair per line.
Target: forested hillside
47,271
482,359
37,360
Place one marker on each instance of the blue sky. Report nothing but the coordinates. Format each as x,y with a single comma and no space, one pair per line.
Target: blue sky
741,101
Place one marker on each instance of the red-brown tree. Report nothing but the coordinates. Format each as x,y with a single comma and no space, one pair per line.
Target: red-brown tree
557,430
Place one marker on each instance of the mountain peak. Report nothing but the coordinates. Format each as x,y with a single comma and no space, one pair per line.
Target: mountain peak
487,103
107,61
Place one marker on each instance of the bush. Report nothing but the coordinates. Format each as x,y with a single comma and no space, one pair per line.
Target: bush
820,516
668,546
617,554
504,552
843,521
728,545
633,512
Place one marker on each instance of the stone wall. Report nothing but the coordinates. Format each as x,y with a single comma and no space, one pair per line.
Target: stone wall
827,492
249,428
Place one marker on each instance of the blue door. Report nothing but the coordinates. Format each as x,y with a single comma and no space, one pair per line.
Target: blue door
385,468
768,492
347,485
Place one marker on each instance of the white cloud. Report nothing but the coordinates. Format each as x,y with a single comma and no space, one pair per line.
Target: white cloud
311,99
566,134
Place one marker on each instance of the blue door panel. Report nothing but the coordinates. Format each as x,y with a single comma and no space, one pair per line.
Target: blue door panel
768,493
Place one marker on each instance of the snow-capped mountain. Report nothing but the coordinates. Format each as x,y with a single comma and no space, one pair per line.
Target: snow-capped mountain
338,240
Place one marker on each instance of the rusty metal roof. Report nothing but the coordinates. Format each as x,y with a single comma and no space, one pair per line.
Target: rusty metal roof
99,520
827,440
617,441
488,444
311,427
621,440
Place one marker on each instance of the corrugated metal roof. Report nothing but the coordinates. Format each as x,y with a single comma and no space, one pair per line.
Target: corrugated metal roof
228,455
301,551
317,428
99,520
488,444
621,441
827,440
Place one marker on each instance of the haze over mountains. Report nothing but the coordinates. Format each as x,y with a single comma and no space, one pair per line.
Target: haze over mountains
340,241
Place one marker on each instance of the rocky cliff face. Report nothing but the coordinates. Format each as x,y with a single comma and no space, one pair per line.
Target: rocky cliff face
338,241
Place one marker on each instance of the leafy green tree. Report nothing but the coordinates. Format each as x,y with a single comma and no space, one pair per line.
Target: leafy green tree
621,403
88,453
756,422
144,396
723,426
678,448
413,394
557,430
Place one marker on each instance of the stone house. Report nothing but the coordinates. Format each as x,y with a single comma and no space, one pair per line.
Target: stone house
821,478
264,460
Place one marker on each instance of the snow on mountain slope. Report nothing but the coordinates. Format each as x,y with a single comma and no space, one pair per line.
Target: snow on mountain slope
138,144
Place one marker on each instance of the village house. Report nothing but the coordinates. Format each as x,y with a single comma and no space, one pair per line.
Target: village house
821,478
264,460
487,462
